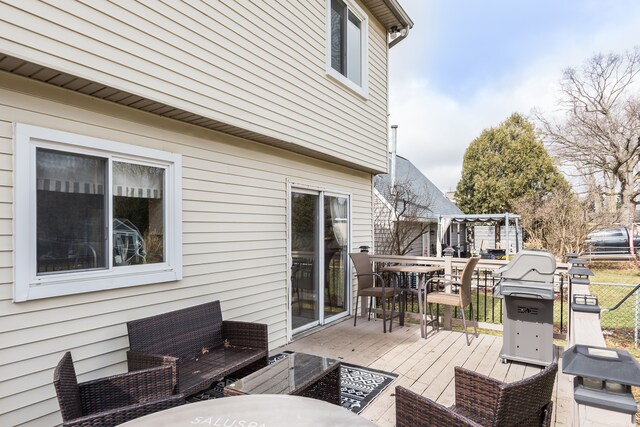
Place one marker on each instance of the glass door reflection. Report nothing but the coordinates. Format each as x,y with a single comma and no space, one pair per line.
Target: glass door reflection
304,255
336,243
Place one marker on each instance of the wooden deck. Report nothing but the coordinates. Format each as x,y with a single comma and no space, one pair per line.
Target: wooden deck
424,366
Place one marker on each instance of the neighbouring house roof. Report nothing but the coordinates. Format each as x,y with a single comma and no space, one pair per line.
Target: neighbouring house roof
427,194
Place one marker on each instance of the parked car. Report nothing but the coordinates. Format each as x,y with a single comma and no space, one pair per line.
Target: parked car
613,241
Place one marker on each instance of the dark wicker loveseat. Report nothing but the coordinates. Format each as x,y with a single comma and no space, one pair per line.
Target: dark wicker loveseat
198,344
482,401
112,400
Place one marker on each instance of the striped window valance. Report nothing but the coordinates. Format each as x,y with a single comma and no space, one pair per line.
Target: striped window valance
144,193
74,173
70,173
47,184
132,180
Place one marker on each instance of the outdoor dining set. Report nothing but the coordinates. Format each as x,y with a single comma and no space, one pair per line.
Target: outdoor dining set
433,287
177,354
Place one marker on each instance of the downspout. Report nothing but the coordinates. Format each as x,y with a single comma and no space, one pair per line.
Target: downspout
373,218
392,157
439,237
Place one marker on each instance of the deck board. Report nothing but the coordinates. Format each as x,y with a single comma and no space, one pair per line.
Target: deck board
447,397
423,366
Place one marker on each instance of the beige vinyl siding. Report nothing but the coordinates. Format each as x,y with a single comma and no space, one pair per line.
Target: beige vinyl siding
257,65
234,242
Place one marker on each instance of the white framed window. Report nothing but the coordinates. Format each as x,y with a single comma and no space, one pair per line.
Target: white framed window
347,26
93,214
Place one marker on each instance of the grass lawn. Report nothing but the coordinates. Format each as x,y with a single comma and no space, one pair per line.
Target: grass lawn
620,272
618,325
609,295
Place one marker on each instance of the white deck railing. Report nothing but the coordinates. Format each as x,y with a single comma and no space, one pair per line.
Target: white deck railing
585,328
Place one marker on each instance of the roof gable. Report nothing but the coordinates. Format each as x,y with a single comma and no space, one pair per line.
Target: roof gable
428,196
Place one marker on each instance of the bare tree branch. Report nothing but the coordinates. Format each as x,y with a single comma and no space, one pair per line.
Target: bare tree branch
600,131
401,219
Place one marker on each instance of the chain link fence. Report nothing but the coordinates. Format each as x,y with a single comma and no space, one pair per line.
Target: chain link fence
619,326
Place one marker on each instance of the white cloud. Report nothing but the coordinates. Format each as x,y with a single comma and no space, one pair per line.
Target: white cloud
435,128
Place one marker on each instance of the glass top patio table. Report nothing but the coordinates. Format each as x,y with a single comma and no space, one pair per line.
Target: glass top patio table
259,410
298,374
419,269
423,271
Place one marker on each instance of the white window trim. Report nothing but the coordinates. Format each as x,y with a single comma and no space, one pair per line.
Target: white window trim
29,286
363,90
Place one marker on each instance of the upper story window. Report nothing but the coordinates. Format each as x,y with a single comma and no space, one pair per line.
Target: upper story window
93,214
347,47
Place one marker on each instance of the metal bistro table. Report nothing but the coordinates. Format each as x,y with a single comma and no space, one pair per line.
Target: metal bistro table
259,410
298,374
424,273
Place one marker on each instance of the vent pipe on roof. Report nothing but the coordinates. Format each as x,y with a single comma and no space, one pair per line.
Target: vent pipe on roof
392,156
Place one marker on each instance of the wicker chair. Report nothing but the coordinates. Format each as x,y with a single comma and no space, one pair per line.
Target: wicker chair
482,401
113,400
366,288
461,299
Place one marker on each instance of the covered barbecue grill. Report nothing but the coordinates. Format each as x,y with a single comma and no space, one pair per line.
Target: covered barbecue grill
526,284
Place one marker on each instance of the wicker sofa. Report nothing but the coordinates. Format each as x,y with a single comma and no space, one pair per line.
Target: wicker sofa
199,346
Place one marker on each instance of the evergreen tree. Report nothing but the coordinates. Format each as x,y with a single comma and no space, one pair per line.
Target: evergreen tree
503,165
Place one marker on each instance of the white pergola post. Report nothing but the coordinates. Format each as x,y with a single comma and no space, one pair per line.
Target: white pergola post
508,232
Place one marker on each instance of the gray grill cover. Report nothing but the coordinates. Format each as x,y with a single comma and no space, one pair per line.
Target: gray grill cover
526,284
529,274
529,266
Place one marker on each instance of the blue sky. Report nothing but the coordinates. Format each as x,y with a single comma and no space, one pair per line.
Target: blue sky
467,65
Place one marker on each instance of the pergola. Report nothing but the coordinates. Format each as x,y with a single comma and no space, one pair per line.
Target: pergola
506,219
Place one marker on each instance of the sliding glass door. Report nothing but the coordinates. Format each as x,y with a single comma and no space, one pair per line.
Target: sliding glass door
336,253
305,255
319,258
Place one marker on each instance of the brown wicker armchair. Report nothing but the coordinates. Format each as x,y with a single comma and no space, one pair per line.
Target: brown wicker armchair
482,401
112,400
367,288
461,299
